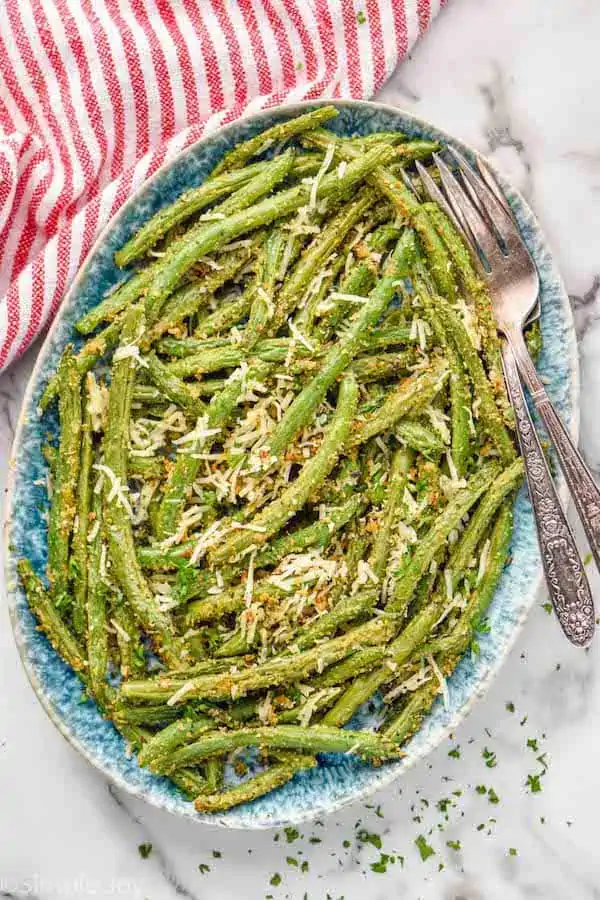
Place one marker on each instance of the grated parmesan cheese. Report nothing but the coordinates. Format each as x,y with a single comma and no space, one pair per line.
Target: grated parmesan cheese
443,685
483,560
314,190
117,490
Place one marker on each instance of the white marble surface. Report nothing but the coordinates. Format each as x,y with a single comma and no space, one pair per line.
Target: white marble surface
518,79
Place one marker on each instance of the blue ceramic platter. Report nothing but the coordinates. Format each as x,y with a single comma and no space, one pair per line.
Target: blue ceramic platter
338,780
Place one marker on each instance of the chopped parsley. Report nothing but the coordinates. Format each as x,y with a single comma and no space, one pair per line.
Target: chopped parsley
366,837
360,17
493,796
534,783
510,706
145,850
454,845
291,861
424,848
532,744
455,752
275,879
203,868
512,851
291,834
490,757
380,867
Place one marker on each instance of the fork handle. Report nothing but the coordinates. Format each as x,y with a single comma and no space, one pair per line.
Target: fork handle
584,490
565,576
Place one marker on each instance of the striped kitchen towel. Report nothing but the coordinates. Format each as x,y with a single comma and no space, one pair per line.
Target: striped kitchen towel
97,94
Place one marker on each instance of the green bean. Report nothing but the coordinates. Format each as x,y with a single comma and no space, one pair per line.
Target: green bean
505,484
264,288
318,534
186,205
257,786
420,438
214,770
383,365
339,357
63,507
395,655
460,398
283,131
451,647
364,141
121,543
79,545
187,464
96,598
204,237
281,670
489,415
313,259
230,601
316,739
411,395
279,511
476,289
456,642
421,624
227,315
197,199
348,669
159,689
447,521
178,259
411,150
158,714
51,623
402,726
398,479
151,396
158,750
91,352
132,661
260,186
192,297
176,390
406,205
122,297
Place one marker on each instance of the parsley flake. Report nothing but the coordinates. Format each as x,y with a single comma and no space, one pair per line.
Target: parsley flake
424,848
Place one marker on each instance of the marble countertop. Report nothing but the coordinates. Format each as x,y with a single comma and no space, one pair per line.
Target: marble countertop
519,80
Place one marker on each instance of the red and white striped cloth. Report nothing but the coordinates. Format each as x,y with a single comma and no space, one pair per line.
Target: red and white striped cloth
96,94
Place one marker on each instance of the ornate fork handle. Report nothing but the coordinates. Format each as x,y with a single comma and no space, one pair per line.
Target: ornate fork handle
567,582
584,489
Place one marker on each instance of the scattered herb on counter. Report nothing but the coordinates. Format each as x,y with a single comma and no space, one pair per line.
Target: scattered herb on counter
424,848
145,850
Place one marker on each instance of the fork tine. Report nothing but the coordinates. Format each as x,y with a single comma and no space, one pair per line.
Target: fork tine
408,183
486,199
434,193
493,185
466,212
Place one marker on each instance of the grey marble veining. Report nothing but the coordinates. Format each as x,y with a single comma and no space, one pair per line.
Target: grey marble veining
519,80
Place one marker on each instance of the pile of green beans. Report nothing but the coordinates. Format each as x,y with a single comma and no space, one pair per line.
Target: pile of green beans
284,473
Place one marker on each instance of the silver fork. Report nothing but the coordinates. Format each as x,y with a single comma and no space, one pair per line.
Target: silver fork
479,210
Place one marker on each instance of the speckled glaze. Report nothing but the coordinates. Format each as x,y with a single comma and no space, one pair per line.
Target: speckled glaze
338,780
